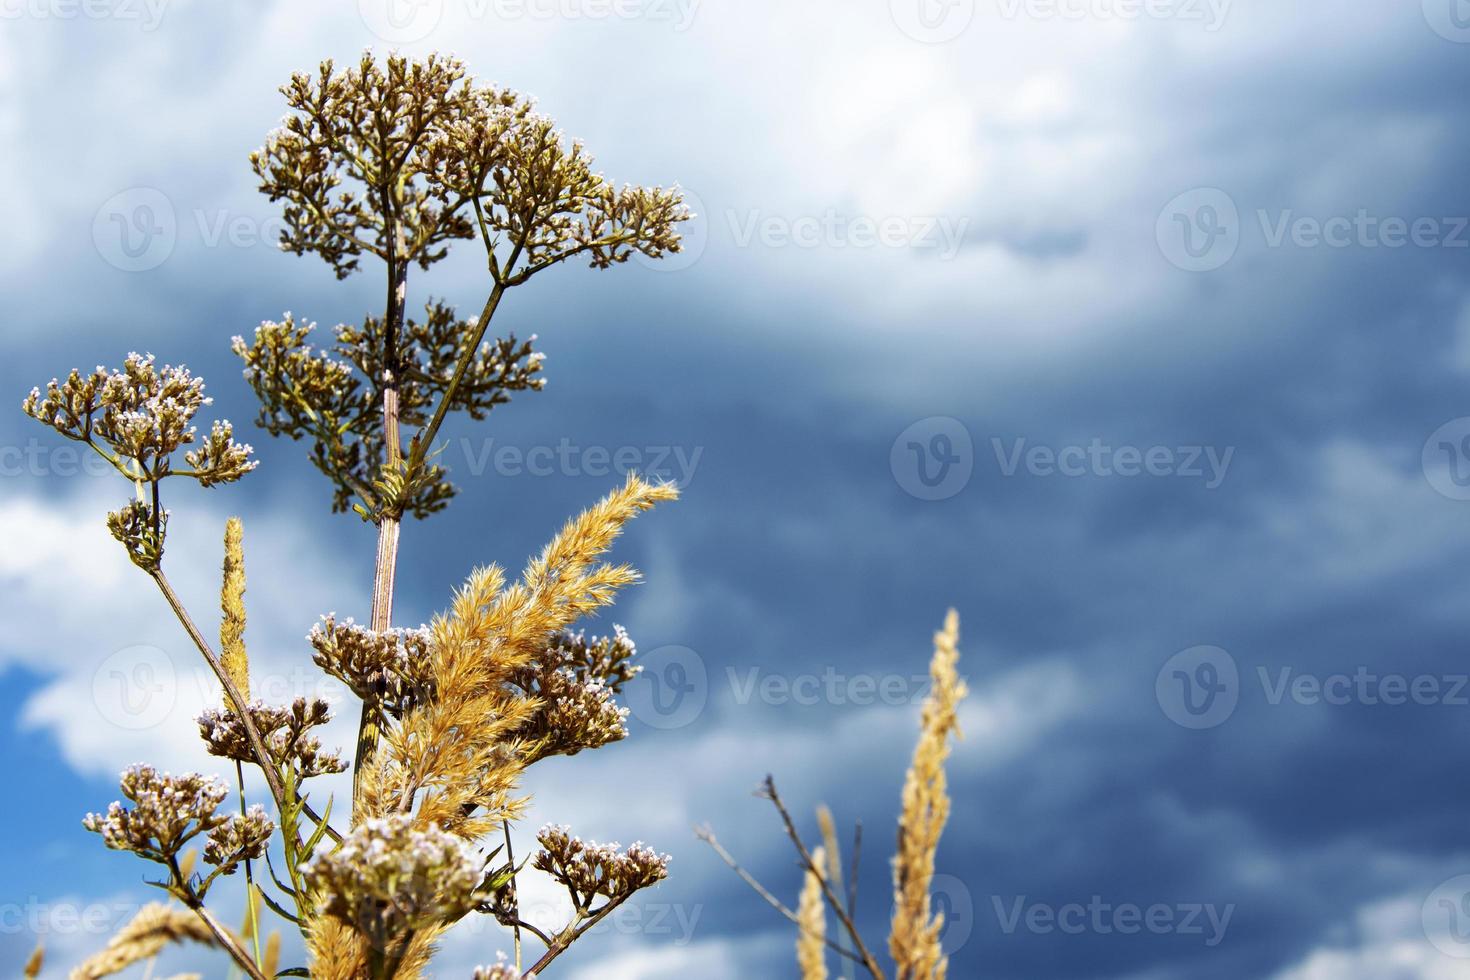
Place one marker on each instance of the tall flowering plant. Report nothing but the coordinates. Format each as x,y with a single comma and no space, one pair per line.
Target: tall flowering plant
389,163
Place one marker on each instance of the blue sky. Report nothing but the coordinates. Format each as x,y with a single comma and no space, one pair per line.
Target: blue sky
1139,333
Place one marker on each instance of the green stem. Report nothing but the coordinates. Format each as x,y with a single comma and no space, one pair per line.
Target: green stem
251,919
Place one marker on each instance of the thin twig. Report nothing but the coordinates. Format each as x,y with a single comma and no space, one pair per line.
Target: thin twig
707,835
515,900
179,887
251,910
852,875
560,944
867,959
237,699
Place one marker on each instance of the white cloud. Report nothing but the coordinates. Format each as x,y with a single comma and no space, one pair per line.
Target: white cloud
1390,945
125,683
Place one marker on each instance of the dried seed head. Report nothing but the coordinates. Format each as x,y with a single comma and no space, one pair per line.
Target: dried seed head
589,869
575,682
284,731
232,605
242,837
388,878
391,667
167,812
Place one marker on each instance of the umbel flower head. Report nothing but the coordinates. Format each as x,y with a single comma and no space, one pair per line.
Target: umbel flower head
589,869
284,731
387,160
333,394
169,811
389,878
137,419
393,666
575,682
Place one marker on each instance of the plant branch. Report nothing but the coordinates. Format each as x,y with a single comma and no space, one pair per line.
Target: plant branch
707,835
572,933
179,887
768,790
237,699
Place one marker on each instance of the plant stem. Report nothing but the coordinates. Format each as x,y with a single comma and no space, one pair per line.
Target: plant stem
424,440
868,961
251,918
571,934
237,699
179,888
369,725
707,835
228,942
515,901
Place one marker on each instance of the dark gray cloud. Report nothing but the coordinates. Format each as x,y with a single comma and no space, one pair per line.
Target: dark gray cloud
774,377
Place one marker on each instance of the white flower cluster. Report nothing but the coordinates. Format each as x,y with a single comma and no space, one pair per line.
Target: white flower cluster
500,971
392,666
389,877
241,837
168,811
589,869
